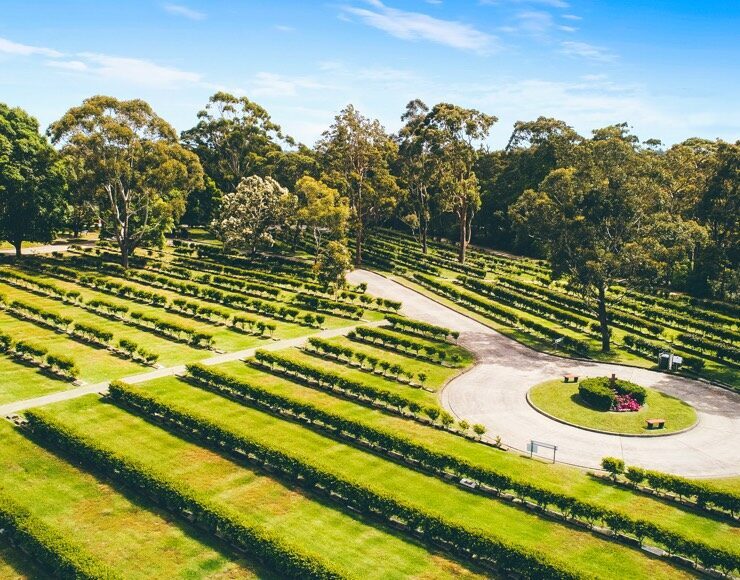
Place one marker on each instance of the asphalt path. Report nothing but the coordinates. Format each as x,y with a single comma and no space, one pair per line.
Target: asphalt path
494,391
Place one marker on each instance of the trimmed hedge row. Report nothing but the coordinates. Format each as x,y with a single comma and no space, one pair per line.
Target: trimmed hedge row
443,464
257,541
324,347
502,314
419,327
721,351
407,346
705,496
467,542
59,364
329,306
50,549
333,381
653,349
236,301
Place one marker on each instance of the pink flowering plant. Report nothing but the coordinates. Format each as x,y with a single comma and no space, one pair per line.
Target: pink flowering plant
625,403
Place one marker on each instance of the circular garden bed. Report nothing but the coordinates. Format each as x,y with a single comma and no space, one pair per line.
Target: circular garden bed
564,402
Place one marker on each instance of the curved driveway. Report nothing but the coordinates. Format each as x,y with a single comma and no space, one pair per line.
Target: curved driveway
493,393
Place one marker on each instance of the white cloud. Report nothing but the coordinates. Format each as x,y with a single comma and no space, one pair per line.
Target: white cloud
136,71
419,26
587,51
284,28
567,28
180,10
71,65
572,17
15,48
534,22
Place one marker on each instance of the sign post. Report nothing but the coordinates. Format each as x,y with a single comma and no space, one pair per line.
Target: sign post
533,447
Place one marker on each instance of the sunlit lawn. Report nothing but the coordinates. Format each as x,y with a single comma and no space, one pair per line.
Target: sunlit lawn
248,495
137,540
558,477
499,519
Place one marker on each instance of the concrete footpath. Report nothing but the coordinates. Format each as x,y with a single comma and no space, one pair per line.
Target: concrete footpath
493,393
18,406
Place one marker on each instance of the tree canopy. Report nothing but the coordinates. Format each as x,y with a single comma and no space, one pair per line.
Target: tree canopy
141,171
32,185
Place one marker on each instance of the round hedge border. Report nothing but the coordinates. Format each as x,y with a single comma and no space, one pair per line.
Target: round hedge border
612,433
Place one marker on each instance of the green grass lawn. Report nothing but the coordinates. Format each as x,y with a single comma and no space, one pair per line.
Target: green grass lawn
558,477
561,400
137,540
498,519
96,364
437,375
20,381
248,495
412,394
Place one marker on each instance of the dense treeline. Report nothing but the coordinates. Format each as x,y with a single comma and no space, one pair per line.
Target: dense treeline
605,209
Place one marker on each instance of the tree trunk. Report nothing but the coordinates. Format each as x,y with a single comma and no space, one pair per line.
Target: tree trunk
124,257
603,320
463,237
423,235
18,245
358,245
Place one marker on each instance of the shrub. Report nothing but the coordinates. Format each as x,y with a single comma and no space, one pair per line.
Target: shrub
63,365
613,466
596,393
52,550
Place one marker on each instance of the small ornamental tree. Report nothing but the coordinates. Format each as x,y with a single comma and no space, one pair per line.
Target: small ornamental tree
613,466
479,429
249,214
432,413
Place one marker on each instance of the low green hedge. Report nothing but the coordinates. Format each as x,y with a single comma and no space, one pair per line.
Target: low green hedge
262,544
600,392
51,550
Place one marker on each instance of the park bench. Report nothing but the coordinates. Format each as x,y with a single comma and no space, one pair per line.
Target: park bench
655,423
568,377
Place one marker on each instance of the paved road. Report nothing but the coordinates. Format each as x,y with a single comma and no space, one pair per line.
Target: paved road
17,406
493,393
48,249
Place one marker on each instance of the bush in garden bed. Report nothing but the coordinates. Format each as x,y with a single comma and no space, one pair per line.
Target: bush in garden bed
603,394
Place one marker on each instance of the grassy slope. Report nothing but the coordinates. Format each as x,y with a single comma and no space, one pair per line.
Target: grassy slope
556,477
577,548
249,495
561,400
139,542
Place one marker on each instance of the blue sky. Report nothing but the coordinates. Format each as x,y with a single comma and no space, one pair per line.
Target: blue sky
669,68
